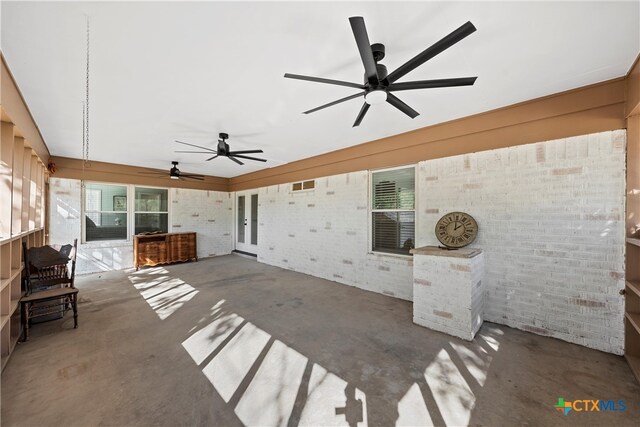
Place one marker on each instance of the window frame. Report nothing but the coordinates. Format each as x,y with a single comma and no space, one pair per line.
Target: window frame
370,210
134,211
83,213
302,188
130,212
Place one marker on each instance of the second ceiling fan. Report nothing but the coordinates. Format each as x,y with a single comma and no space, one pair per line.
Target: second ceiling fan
223,150
378,85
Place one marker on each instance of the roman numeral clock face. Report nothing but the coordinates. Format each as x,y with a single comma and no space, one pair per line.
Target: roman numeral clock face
456,229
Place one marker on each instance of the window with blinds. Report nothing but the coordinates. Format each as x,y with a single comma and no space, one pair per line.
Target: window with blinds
393,210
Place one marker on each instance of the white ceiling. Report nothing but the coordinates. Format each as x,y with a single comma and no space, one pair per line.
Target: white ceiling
162,71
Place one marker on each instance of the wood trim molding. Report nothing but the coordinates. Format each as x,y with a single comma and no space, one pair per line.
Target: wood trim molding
111,172
594,108
633,89
16,111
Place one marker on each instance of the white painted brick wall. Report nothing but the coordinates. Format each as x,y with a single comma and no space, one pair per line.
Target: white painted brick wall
448,294
550,217
324,232
551,224
209,213
206,212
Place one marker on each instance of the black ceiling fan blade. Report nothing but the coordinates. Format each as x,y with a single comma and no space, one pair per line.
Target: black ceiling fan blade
346,98
194,152
153,173
248,157
396,102
233,153
198,177
429,84
211,158
364,46
194,145
321,80
363,111
433,50
235,160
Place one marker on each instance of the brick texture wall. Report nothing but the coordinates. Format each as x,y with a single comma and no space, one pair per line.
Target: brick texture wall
550,215
448,294
324,232
551,223
209,213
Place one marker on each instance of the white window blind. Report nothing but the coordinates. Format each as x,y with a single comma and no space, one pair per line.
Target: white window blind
94,205
393,210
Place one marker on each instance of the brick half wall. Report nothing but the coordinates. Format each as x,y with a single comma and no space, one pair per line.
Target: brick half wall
551,223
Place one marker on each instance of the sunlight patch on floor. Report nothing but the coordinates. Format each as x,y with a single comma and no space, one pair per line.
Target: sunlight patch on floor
451,392
269,399
164,294
263,377
476,366
227,370
412,409
268,383
206,340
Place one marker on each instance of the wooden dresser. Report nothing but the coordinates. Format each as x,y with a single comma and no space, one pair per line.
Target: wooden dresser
154,249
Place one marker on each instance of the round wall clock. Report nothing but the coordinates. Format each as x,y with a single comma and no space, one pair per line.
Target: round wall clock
456,229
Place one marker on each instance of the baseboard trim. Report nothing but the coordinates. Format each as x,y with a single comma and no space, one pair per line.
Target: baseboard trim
235,251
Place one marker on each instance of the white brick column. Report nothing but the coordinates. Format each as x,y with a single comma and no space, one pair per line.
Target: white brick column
448,290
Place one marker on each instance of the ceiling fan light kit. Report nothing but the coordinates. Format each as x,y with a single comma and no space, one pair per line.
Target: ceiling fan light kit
377,96
378,84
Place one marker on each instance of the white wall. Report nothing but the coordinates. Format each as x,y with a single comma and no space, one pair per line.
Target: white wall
209,213
324,232
206,212
550,215
551,223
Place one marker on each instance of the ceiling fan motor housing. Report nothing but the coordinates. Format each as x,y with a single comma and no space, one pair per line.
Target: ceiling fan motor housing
223,147
378,51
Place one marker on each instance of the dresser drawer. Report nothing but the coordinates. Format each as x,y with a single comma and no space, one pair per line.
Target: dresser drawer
165,248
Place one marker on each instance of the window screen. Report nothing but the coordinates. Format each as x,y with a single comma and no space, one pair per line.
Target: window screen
151,210
393,210
105,210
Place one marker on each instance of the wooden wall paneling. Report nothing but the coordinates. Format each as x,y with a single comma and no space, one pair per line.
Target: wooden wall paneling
6,178
632,222
633,177
33,192
18,164
38,194
633,89
26,188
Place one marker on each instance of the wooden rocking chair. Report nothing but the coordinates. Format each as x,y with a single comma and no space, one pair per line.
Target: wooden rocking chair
49,284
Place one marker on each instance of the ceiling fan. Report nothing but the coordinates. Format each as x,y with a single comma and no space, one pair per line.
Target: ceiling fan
174,173
378,85
224,151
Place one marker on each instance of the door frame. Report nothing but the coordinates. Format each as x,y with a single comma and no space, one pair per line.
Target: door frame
247,247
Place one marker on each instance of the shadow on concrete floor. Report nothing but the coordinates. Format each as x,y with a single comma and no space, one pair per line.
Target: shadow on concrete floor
229,341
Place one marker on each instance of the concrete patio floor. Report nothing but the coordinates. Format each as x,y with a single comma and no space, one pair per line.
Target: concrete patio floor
228,341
